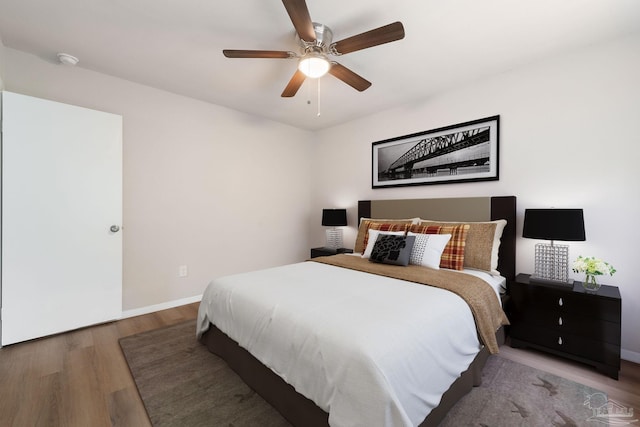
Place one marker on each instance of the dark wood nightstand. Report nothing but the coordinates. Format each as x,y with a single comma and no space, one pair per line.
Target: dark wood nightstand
315,252
567,321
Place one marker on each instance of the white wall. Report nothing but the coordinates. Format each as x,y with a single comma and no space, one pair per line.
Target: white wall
204,186
568,138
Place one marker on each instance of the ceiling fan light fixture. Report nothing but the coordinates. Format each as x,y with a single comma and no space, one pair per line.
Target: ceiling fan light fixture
314,65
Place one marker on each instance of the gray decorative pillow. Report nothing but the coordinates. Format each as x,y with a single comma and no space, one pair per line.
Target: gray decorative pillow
391,249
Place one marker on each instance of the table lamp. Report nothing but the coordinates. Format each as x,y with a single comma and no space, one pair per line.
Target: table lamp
552,261
334,218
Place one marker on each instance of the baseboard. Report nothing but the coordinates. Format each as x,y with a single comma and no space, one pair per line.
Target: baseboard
158,307
629,355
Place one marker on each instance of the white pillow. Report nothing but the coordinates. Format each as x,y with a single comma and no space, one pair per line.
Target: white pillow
428,249
373,236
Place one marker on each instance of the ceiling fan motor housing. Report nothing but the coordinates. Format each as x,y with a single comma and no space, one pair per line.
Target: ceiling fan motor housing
324,37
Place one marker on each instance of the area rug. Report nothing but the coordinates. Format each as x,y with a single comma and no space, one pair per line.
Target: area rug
182,384
513,394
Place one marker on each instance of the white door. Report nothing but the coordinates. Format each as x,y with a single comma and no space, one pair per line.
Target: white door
61,195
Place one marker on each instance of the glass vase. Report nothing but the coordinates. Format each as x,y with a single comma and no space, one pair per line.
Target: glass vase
590,283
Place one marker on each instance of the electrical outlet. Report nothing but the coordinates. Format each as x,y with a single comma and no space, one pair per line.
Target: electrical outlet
182,271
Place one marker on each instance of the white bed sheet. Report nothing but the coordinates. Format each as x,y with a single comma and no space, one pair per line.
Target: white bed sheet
369,350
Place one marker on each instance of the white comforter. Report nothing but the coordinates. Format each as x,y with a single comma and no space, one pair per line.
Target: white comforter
369,350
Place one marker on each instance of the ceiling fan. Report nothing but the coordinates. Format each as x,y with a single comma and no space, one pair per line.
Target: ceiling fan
316,45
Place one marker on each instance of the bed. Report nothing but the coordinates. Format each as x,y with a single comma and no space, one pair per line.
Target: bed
324,344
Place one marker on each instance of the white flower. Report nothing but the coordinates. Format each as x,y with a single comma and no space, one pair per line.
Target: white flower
594,266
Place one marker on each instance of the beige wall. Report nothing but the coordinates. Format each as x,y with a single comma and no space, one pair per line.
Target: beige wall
1,65
568,138
204,186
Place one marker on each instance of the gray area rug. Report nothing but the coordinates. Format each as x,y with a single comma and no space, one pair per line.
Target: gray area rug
513,394
182,384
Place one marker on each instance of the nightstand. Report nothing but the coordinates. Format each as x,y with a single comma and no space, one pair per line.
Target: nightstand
567,321
315,252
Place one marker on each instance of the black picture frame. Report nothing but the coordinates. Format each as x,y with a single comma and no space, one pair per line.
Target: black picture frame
465,152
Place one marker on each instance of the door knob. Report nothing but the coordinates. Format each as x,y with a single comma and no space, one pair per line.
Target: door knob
114,228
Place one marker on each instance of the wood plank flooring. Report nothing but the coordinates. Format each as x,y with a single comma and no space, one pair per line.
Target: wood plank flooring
80,378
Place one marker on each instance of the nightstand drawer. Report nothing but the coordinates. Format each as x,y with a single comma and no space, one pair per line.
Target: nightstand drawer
567,343
583,326
560,300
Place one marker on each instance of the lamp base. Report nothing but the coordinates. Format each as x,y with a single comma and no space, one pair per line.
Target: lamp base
552,263
334,238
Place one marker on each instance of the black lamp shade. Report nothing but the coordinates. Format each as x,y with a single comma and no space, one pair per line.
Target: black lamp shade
334,217
554,224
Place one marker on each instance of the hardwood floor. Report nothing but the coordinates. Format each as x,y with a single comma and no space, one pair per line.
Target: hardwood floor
80,378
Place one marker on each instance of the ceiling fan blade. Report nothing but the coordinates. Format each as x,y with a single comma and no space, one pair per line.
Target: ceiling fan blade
231,53
349,77
378,36
299,14
294,84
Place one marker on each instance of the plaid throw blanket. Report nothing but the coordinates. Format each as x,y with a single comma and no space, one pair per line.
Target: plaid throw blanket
480,297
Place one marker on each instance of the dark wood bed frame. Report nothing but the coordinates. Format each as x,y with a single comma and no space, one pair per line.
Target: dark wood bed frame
299,410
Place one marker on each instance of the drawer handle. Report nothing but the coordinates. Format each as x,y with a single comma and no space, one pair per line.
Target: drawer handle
560,340
560,302
560,321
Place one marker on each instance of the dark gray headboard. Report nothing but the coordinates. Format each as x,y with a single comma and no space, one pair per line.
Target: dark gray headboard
455,209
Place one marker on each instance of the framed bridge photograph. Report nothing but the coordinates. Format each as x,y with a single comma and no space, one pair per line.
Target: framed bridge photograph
466,152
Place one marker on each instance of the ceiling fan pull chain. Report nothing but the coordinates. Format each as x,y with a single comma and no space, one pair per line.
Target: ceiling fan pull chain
318,97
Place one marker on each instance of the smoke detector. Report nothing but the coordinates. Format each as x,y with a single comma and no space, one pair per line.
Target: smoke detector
67,59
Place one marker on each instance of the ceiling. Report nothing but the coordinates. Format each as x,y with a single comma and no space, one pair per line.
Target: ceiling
176,45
